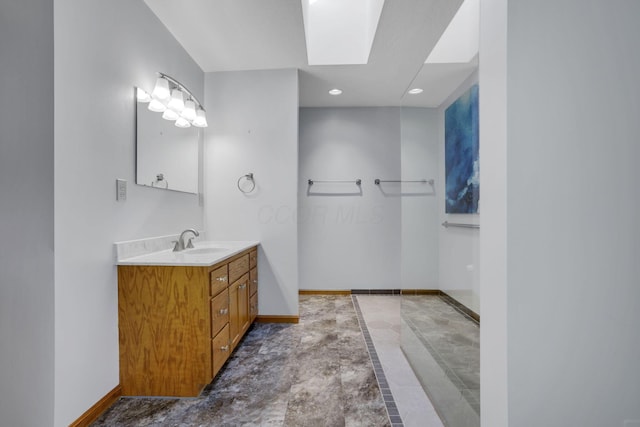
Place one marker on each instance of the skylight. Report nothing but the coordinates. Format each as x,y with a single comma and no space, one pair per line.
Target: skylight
459,42
340,32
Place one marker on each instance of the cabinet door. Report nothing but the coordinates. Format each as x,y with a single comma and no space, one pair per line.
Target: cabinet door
243,305
238,309
220,349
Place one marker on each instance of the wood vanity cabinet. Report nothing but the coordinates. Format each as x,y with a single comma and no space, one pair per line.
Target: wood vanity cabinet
179,324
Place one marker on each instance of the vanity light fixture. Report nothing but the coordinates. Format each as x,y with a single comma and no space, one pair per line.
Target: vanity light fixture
175,101
181,122
415,91
335,92
156,106
201,120
169,114
189,111
161,90
143,96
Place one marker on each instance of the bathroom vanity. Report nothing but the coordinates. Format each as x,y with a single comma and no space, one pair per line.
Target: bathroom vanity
181,314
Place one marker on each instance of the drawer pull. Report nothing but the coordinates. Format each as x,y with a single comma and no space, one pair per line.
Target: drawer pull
224,348
223,311
221,279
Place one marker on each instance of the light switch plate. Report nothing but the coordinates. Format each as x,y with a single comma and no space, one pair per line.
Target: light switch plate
121,190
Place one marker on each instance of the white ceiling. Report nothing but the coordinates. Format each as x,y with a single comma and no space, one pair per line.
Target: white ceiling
234,35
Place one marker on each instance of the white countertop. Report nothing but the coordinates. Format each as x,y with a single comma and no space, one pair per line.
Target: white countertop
202,255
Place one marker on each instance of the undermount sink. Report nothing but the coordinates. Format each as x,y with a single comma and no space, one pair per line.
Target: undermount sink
204,251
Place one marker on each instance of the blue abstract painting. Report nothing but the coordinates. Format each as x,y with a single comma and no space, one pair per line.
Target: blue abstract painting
461,135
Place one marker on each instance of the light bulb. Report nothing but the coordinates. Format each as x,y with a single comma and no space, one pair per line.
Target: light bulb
170,114
142,95
189,111
200,120
161,90
156,106
177,101
181,122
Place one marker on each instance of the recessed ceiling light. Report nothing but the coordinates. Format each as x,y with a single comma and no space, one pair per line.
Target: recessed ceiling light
415,91
335,92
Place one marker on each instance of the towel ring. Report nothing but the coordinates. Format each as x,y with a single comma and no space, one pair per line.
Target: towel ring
248,177
159,180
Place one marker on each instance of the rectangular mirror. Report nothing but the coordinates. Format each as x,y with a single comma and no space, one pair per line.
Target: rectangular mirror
166,155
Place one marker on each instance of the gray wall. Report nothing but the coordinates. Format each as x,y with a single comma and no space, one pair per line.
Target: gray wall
102,50
420,147
572,204
349,240
253,127
26,213
559,238
387,236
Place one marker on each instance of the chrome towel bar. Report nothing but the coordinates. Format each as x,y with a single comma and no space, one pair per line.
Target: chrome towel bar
356,181
448,224
424,181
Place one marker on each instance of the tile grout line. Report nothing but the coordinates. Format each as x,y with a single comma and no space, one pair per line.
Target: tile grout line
392,410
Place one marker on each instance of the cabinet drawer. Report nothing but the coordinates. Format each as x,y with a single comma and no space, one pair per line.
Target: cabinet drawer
219,312
220,349
238,267
253,281
253,259
253,307
219,280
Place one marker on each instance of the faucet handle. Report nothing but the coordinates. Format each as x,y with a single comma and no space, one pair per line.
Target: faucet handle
176,247
189,244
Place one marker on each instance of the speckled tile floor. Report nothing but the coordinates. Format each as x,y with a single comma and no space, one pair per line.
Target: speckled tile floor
315,373
443,346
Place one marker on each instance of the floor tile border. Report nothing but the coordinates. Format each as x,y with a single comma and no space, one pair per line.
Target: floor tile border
387,396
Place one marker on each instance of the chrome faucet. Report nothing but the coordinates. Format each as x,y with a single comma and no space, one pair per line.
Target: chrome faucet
180,245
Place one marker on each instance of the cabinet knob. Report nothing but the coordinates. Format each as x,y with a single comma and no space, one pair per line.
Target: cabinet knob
225,348
255,281
221,279
223,311
242,286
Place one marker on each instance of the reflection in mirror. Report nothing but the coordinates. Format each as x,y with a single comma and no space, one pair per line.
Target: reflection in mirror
166,155
440,336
